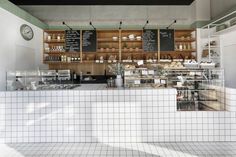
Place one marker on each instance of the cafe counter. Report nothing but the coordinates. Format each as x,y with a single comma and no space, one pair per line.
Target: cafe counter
93,113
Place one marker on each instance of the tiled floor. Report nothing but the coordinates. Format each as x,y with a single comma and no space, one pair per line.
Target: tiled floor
216,149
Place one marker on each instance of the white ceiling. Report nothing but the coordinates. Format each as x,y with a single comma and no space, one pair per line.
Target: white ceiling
219,6
129,15
111,15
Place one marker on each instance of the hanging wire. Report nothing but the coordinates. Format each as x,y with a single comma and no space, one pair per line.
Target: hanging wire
175,21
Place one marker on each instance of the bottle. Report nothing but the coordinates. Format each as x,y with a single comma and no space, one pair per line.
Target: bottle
81,76
184,46
74,76
180,47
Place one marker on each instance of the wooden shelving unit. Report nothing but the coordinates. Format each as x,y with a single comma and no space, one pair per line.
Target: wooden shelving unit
185,44
54,45
112,46
107,47
131,48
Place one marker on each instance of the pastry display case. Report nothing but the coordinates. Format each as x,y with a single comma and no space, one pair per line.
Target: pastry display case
37,79
197,89
143,77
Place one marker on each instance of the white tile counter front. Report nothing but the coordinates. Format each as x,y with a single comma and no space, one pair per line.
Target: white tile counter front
93,113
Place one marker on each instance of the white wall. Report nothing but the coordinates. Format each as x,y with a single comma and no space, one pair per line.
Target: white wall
229,55
220,6
13,46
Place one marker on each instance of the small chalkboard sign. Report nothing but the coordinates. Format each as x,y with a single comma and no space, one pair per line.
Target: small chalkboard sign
167,41
150,40
89,41
72,41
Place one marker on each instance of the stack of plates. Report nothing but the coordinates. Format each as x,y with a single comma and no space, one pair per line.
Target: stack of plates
233,22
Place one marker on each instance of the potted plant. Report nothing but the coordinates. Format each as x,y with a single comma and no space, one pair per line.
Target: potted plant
118,70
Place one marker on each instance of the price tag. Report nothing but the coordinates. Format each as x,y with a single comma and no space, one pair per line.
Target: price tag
163,81
192,73
140,62
144,72
151,72
137,82
127,73
198,73
157,81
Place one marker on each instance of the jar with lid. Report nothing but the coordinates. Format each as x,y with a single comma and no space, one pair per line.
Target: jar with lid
110,82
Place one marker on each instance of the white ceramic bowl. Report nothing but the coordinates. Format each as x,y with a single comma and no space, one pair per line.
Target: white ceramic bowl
115,38
124,38
139,38
131,37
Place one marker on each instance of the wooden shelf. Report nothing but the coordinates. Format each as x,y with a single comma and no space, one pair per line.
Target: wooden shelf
59,62
132,40
133,52
71,53
55,53
54,31
104,52
184,30
107,40
192,50
94,61
184,40
52,62
54,41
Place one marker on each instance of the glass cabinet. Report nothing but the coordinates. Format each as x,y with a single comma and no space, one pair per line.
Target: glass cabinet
197,89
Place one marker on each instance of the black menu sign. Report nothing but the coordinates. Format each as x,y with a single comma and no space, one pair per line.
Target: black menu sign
72,40
167,42
89,41
150,40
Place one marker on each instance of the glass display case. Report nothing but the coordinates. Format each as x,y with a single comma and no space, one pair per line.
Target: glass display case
38,80
20,80
197,89
143,77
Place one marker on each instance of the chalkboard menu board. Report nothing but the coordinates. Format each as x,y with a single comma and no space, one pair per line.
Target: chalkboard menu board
150,40
72,40
89,41
167,41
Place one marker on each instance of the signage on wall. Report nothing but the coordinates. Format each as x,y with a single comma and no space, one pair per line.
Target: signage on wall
150,40
89,40
167,41
72,41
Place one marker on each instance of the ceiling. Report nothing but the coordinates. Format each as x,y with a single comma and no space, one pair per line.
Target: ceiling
109,15
102,2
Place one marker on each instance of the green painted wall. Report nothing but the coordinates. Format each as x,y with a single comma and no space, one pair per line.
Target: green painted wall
199,24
